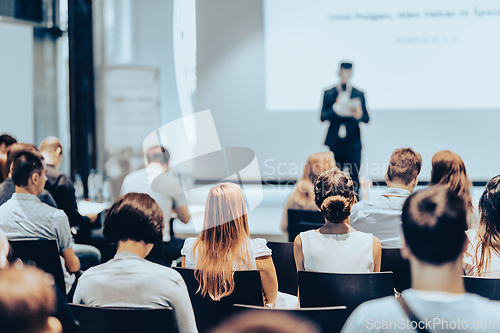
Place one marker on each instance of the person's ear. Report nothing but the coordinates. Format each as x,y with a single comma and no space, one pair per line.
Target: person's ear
53,325
35,177
386,178
59,151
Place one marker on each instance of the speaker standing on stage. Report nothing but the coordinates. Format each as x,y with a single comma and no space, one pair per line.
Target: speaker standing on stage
345,106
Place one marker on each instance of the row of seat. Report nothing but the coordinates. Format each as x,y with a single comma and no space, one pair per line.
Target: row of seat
286,270
335,293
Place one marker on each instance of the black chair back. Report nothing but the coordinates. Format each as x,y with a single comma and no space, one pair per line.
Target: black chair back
209,313
284,262
334,289
44,254
393,262
303,220
330,319
119,320
483,286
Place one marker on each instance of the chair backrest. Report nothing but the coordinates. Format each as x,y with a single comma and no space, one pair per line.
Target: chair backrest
330,318
208,313
303,220
45,255
393,262
334,289
484,286
119,320
284,262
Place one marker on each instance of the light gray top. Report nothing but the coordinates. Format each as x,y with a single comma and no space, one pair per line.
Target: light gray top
381,216
128,280
440,312
25,217
171,193
337,253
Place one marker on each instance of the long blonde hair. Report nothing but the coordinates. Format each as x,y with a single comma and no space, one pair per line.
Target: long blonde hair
222,242
316,164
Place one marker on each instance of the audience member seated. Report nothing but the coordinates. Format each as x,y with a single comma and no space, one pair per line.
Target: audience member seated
27,302
224,246
24,216
171,199
7,188
135,222
88,255
5,142
434,229
302,196
62,190
266,322
448,169
381,216
336,247
62,312
483,254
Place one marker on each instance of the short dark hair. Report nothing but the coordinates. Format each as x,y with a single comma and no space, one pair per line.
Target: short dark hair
157,154
27,299
405,165
346,65
24,165
434,225
134,216
8,140
334,194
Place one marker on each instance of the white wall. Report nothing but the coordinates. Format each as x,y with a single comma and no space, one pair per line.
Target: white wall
230,70
16,81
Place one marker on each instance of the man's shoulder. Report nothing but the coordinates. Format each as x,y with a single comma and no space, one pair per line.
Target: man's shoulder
332,90
361,320
483,305
357,91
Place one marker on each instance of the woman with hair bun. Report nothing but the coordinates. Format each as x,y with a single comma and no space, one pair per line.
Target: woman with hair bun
336,247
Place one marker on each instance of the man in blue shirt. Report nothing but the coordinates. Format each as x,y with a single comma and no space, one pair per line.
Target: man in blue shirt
381,216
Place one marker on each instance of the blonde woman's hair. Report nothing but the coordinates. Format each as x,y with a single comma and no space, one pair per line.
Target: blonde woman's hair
223,241
316,164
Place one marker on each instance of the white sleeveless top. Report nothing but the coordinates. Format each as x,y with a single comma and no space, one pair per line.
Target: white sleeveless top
337,253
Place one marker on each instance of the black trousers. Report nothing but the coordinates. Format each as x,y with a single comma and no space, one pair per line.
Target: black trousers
349,158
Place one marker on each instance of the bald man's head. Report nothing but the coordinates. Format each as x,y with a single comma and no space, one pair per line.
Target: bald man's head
51,150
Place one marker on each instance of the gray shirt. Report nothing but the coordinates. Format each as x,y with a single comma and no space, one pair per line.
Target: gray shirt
128,280
381,216
25,217
439,312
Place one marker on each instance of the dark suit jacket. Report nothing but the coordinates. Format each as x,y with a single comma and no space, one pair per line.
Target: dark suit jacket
353,137
61,188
